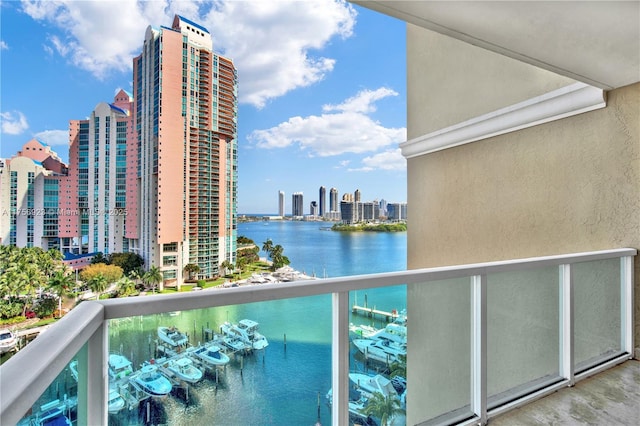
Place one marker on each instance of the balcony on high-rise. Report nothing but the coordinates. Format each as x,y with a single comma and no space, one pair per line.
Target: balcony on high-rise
496,336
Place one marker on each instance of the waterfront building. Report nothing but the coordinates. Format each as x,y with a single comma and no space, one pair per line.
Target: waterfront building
368,211
322,197
348,212
313,209
357,196
297,208
29,205
185,117
94,194
397,211
281,203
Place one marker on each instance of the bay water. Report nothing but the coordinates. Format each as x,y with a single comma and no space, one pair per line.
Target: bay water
286,383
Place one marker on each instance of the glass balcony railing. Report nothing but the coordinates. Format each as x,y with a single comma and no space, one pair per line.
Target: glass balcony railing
452,345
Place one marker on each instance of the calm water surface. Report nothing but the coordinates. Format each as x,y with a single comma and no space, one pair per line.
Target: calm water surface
283,384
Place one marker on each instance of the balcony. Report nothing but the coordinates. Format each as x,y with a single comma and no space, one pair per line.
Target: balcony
497,336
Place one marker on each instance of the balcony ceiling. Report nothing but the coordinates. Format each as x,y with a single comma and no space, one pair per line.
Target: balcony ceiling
596,42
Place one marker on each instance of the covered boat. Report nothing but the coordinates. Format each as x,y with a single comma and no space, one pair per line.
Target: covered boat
247,332
210,354
172,336
119,367
183,369
150,381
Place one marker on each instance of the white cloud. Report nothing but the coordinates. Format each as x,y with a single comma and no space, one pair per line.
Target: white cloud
362,102
3,45
276,45
273,43
14,122
349,130
54,137
388,160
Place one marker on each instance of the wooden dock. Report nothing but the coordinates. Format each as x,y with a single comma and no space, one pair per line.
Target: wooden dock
373,312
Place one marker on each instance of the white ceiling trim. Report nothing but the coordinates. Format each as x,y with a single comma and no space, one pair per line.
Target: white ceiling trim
565,102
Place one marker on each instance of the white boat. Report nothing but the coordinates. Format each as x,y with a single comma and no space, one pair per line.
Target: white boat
8,340
210,354
236,344
150,381
172,336
116,402
183,369
119,367
368,385
247,332
380,349
394,332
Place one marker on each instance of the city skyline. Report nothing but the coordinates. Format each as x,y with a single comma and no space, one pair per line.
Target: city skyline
306,109
283,201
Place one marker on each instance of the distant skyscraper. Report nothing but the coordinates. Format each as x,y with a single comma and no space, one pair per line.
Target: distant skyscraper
185,118
333,200
297,208
98,151
357,196
281,203
313,207
323,201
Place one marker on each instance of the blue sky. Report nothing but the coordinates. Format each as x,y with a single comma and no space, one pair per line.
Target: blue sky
322,85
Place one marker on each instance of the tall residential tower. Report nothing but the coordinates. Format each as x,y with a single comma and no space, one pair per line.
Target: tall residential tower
185,118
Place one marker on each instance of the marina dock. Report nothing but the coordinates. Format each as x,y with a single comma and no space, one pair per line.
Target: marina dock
373,312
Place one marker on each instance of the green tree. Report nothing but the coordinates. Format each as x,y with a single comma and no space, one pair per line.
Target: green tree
99,258
127,261
383,407
278,259
154,277
226,266
111,273
190,269
267,246
126,286
98,284
60,283
398,368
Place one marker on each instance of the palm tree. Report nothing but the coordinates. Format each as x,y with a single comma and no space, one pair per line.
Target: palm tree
126,286
60,283
398,368
226,265
267,246
98,284
190,269
154,276
383,407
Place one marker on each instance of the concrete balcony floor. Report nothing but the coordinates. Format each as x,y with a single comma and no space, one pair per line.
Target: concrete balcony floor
608,398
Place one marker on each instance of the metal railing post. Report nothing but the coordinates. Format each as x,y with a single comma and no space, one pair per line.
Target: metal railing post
567,367
626,305
340,359
97,377
479,347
